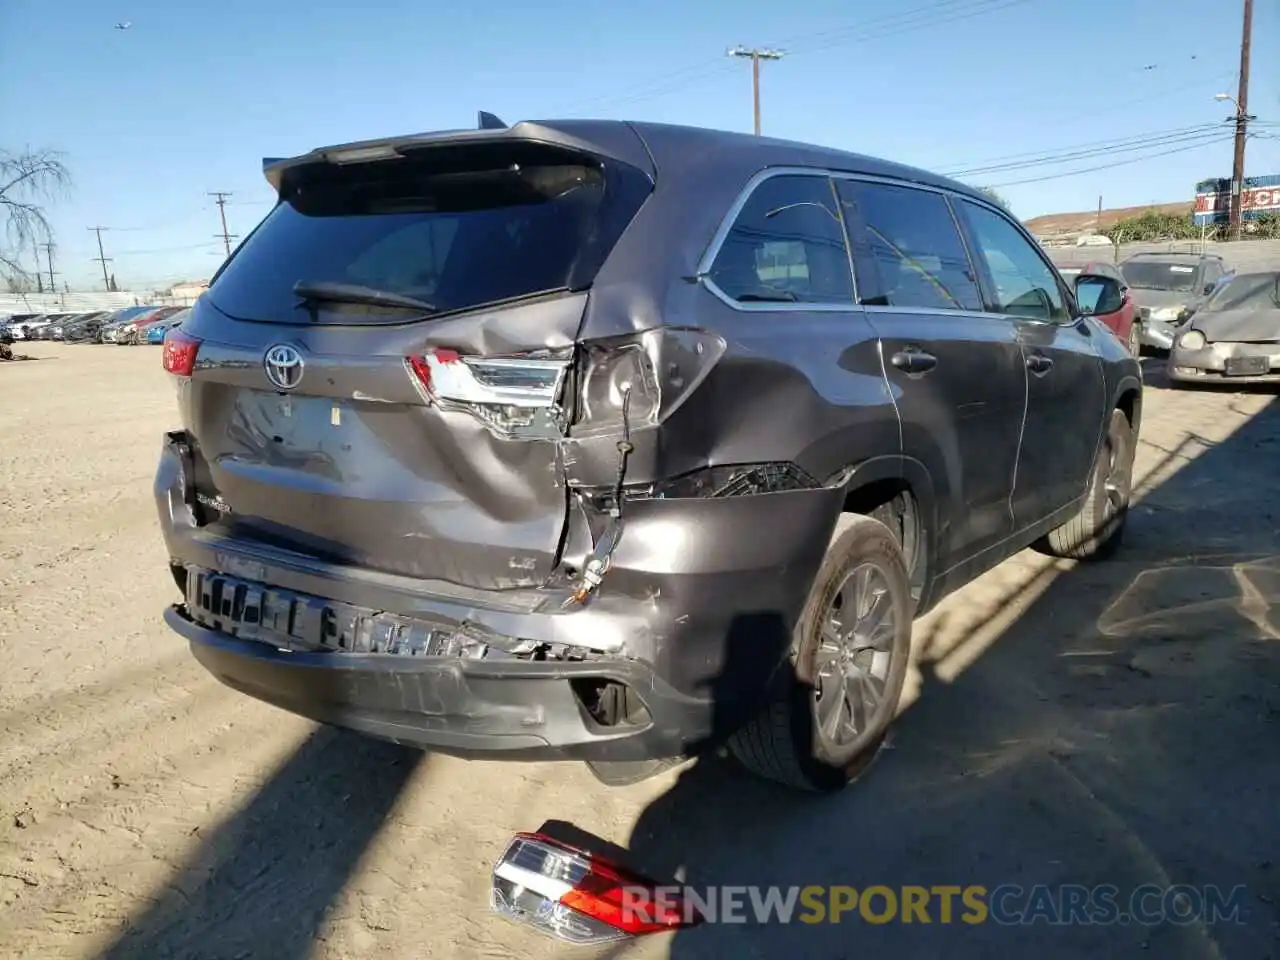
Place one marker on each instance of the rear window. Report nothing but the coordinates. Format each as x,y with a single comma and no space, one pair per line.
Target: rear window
1170,275
457,228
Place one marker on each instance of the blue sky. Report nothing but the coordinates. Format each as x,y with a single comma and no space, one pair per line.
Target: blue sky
192,96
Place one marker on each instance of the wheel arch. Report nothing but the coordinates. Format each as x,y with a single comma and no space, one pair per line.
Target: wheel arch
1127,397
899,490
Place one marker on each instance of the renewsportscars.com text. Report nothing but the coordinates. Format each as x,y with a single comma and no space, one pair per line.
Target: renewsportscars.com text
1008,904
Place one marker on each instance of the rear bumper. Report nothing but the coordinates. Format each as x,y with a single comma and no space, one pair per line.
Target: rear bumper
501,710
694,617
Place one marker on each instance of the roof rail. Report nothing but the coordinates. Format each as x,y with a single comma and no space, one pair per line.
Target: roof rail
488,121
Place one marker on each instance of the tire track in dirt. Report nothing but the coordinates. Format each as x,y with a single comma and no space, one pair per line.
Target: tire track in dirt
134,818
115,741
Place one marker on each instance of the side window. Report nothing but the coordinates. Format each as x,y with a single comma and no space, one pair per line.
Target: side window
786,246
915,244
1025,286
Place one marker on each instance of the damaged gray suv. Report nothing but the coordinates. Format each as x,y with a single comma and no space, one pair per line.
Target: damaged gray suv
622,442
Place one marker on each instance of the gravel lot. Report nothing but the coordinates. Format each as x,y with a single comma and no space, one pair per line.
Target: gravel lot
1105,724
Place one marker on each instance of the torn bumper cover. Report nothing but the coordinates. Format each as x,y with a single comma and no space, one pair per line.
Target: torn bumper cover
676,649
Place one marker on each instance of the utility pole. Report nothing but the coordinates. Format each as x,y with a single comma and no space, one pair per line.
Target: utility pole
102,258
35,246
221,200
48,250
756,55
1242,121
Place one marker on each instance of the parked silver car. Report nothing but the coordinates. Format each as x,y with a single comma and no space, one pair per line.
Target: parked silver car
1234,336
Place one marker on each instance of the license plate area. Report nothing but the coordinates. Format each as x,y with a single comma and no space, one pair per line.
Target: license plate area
1246,366
294,621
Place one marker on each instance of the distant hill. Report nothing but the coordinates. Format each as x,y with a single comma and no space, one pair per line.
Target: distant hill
1055,224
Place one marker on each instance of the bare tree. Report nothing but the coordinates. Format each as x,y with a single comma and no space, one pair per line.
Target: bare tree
16,283
28,180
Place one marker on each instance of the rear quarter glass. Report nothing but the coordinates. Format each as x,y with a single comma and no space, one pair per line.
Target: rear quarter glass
457,227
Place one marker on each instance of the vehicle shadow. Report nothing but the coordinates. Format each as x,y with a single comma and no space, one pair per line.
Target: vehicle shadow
1111,723
261,883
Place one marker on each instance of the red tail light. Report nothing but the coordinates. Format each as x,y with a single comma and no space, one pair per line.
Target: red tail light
517,396
179,352
578,897
501,381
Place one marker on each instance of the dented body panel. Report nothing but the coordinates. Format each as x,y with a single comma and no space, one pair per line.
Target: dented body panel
375,478
582,520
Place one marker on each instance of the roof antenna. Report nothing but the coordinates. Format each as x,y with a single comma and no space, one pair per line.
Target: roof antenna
487,121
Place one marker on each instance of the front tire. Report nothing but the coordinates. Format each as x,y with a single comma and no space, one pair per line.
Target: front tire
1095,532
849,661
1135,340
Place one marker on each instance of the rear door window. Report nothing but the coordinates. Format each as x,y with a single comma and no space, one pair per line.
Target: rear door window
786,245
456,228
914,247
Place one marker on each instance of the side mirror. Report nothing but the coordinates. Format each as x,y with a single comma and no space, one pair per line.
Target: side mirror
1208,288
1098,295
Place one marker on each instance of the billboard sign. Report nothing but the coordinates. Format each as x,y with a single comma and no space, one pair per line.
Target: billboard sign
1213,199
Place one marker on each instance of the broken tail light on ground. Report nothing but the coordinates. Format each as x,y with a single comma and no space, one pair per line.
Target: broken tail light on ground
578,897
179,352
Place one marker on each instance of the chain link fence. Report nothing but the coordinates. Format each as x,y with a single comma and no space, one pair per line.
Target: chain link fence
84,302
1239,255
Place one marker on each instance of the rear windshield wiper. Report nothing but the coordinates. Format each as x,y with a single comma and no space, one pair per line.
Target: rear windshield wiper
322,291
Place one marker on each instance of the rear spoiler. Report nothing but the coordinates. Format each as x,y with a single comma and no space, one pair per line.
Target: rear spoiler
610,139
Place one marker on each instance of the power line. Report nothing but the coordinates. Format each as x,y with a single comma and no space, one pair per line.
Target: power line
890,20
1187,135
755,54
1118,163
102,258
891,25
221,200
911,21
1128,138
157,250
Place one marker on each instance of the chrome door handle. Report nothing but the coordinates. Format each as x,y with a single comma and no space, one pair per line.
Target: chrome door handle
913,360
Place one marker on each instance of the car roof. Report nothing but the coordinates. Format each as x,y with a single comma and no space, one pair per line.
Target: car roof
653,147
1176,256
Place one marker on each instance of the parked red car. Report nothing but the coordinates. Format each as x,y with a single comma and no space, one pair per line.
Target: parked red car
1102,291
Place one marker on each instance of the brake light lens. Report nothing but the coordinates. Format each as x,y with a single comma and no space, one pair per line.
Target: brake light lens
579,897
179,352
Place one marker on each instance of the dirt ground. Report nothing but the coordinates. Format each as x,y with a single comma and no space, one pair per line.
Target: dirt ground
1113,724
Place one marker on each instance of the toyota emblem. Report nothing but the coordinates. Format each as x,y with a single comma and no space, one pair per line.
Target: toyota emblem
283,364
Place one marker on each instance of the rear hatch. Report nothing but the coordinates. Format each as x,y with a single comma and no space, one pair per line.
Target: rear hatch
379,374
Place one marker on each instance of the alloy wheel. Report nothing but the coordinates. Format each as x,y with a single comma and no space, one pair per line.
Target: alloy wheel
854,658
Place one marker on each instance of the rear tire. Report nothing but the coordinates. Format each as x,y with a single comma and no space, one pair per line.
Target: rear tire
849,661
1096,531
